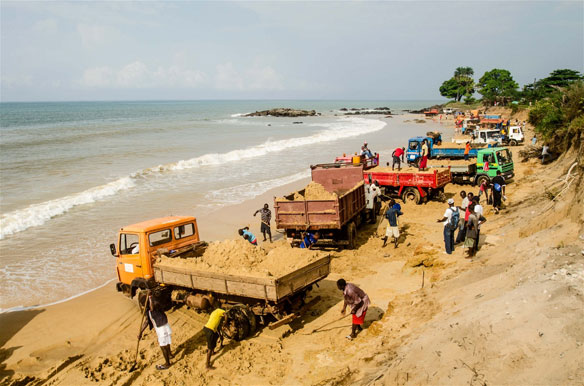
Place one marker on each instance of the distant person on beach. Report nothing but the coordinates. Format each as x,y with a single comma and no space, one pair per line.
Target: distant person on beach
450,220
461,223
392,229
472,226
398,157
424,161
309,240
534,140
479,212
158,320
466,150
484,189
498,191
545,153
358,300
365,152
212,332
266,217
247,235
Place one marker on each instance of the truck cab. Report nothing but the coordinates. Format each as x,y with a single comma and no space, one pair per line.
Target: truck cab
492,159
414,150
137,246
487,136
515,135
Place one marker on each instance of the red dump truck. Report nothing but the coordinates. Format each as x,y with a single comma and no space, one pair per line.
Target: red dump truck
410,184
337,218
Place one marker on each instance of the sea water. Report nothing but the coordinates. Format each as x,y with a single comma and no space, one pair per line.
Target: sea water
72,174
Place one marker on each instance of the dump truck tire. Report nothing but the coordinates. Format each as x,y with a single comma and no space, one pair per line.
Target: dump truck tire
512,142
411,195
251,318
480,180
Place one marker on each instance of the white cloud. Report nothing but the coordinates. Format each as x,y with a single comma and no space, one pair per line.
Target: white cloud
93,35
257,77
46,26
138,75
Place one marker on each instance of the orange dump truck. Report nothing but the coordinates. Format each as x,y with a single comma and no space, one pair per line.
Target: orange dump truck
139,268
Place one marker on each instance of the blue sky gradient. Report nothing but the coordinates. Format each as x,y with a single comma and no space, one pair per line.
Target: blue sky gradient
67,51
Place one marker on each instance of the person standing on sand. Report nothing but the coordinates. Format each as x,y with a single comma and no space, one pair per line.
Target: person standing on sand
424,161
484,189
358,300
212,332
247,235
392,229
158,320
545,153
498,191
398,157
472,226
466,150
534,140
266,217
478,210
450,220
462,224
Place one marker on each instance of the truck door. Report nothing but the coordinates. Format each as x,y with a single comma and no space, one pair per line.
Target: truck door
414,148
129,262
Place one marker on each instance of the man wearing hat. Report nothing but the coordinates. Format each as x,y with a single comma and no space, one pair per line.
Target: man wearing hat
450,220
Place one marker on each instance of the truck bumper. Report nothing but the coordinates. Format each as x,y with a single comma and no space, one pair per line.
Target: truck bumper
119,286
508,175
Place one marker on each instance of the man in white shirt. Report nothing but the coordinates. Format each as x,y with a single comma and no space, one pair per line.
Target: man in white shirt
449,226
479,212
371,193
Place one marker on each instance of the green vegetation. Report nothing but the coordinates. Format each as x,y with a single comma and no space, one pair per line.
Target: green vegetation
461,84
547,86
559,117
497,86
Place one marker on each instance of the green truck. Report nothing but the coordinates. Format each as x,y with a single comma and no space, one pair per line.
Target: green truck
488,162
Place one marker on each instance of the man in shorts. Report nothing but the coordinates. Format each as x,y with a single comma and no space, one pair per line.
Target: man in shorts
157,319
266,216
212,332
392,229
398,157
359,302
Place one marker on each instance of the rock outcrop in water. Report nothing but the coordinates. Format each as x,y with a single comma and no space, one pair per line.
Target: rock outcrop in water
282,112
366,111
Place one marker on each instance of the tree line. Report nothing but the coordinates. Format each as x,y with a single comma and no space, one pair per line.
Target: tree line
498,86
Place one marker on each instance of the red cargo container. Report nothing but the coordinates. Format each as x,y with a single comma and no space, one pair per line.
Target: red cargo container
335,219
410,184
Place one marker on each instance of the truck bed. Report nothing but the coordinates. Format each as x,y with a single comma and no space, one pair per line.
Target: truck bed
434,178
270,289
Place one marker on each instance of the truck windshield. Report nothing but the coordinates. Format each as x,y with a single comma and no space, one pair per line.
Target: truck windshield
504,156
182,231
160,237
413,145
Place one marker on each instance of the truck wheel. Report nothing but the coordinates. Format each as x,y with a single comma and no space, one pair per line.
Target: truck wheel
251,318
351,235
512,142
140,298
238,326
411,195
482,178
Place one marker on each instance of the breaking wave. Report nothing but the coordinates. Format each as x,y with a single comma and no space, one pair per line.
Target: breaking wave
38,214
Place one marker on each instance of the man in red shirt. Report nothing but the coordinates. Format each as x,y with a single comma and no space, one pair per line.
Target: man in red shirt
398,157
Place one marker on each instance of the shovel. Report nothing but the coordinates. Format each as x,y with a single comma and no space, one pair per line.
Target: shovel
139,331
329,323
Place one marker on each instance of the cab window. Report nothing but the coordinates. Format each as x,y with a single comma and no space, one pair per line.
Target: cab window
504,156
185,230
413,145
160,237
129,242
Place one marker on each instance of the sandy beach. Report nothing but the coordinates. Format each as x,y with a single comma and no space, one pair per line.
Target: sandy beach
511,315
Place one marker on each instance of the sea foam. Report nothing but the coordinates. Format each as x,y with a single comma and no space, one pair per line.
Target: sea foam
38,214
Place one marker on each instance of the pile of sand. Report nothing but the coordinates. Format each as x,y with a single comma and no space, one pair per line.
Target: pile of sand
240,257
314,191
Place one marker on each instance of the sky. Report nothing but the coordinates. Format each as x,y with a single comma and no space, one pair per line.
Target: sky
188,50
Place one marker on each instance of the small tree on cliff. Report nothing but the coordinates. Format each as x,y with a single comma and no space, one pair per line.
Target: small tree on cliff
461,84
497,86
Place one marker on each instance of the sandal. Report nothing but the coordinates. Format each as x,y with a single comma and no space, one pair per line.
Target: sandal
349,337
161,367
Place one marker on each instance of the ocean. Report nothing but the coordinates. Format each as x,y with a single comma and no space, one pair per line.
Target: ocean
71,174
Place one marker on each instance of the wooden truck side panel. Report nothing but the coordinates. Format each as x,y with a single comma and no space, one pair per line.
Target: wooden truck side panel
269,289
436,178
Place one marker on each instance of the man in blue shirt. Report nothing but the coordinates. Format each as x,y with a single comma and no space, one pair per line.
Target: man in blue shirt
392,229
248,235
309,240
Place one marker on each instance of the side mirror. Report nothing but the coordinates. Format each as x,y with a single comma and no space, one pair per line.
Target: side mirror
113,250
